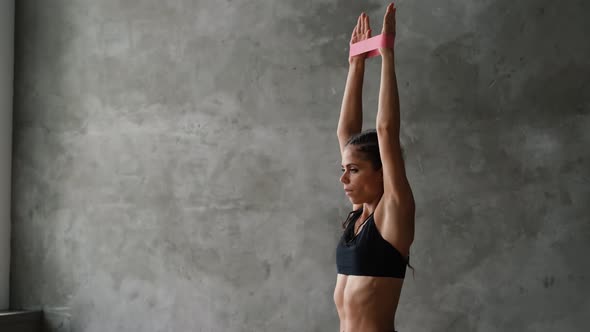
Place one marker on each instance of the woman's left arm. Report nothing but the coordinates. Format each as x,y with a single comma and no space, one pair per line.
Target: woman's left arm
395,182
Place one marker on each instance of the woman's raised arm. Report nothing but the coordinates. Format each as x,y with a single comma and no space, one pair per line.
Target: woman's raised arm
395,183
351,112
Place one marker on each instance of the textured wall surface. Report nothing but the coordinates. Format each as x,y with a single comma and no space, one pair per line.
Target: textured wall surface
176,165
6,91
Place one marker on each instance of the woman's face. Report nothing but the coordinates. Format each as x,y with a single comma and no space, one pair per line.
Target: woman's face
362,183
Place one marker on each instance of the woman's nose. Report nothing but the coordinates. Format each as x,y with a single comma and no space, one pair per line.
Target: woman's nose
344,178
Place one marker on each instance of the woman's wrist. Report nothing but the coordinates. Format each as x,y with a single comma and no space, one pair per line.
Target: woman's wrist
356,61
387,53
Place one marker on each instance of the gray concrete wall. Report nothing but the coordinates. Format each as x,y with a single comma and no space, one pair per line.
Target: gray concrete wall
6,88
176,163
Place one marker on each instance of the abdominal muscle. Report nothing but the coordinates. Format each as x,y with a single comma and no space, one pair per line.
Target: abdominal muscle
367,304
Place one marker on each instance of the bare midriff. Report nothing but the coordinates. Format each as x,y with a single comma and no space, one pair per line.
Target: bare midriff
367,304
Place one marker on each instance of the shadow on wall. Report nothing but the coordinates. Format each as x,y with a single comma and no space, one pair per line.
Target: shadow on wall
38,112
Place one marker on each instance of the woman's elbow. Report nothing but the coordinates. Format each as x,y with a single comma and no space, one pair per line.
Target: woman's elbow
387,130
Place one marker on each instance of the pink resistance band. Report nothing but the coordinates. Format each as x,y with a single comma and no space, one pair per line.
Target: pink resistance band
372,45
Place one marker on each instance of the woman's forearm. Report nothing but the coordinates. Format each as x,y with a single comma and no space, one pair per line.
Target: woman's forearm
351,112
388,117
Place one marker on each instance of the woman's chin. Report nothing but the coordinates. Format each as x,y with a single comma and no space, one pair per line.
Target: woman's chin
352,200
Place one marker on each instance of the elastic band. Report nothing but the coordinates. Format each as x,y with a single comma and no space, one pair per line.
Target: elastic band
372,45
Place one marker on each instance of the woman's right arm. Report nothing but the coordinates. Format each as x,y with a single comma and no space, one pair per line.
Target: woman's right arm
351,112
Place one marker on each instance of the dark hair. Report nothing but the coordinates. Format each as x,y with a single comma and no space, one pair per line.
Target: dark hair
367,144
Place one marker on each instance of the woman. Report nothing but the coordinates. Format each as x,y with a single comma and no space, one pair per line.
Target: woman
374,249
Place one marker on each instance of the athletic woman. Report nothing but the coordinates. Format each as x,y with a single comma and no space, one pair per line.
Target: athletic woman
374,250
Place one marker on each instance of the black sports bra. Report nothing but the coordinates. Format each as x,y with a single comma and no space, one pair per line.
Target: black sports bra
368,253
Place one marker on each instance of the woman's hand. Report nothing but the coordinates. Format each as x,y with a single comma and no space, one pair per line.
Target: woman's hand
361,32
388,27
